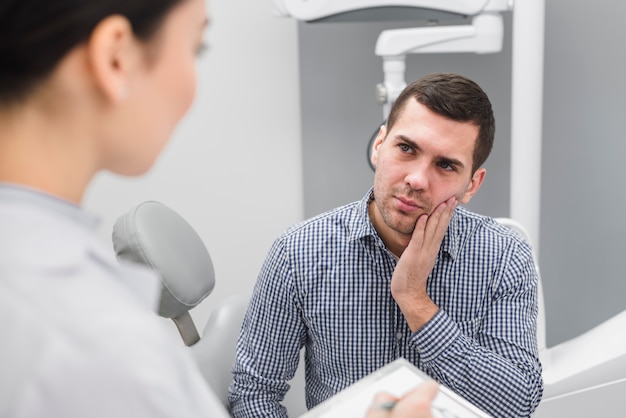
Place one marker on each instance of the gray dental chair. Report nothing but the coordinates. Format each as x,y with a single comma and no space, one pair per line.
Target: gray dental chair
585,376
156,236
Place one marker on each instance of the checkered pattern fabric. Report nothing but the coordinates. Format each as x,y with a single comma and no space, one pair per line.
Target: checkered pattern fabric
325,286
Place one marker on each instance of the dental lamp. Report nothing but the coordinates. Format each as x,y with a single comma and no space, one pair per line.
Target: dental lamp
309,10
483,35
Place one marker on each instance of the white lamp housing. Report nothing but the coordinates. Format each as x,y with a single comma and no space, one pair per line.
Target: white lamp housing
317,9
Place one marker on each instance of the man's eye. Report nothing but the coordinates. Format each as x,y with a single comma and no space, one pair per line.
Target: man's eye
446,166
404,148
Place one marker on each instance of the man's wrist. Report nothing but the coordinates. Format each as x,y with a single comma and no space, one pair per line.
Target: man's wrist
417,312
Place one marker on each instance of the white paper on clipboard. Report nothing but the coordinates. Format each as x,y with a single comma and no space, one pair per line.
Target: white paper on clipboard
397,378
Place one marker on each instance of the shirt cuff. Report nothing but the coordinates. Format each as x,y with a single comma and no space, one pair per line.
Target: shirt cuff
435,337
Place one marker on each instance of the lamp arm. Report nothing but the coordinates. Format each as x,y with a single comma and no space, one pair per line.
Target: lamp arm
483,36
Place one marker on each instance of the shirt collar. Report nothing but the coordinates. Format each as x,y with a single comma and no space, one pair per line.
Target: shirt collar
34,197
450,243
362,225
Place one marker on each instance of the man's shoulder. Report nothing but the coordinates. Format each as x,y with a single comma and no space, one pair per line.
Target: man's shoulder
487,228
336,218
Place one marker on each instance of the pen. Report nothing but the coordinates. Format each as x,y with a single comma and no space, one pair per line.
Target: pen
387,406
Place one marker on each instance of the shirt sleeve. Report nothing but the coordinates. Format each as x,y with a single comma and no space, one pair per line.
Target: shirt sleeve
502,353
269,344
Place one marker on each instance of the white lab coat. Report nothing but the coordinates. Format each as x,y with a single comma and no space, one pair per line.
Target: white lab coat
78,333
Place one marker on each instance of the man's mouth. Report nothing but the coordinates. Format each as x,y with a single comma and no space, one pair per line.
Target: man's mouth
407,205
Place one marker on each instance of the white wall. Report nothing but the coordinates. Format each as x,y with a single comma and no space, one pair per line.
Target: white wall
233,167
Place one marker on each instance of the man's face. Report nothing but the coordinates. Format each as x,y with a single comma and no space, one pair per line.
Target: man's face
421,162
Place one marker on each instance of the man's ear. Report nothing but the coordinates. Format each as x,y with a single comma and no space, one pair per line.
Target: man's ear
382,133
474,184
112,54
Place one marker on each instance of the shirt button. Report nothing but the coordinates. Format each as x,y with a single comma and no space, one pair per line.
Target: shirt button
399,335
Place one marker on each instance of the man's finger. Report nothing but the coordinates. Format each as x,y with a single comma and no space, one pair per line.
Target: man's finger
438,222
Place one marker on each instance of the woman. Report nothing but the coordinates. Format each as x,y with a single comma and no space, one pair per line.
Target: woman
87,86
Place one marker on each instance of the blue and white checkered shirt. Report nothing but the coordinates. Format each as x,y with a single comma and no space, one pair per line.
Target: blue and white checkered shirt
325,286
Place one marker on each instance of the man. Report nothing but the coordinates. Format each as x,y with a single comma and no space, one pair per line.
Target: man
402,273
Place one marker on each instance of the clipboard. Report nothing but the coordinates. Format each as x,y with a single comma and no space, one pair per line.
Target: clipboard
397,378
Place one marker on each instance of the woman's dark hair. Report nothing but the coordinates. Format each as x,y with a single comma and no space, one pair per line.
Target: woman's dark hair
457,98
36,34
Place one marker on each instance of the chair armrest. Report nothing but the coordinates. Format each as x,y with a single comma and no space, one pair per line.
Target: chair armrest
216,350
593,358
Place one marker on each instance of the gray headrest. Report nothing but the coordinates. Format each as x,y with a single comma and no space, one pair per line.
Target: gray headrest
154,235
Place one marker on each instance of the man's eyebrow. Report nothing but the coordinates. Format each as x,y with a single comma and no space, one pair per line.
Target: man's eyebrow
408,141
452,161
441,158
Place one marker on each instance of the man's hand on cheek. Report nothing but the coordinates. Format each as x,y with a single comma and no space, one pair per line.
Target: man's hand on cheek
408,283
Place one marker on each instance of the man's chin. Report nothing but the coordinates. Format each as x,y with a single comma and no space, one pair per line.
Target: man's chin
400,222
404,228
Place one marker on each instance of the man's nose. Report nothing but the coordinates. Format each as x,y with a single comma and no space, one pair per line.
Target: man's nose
418,176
